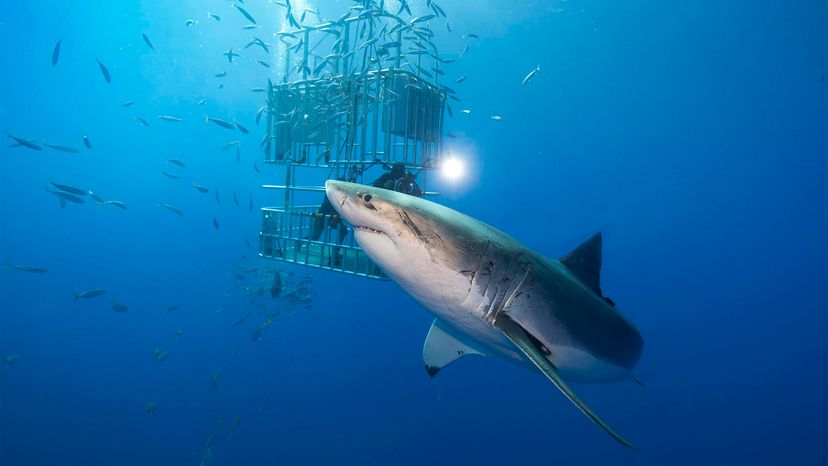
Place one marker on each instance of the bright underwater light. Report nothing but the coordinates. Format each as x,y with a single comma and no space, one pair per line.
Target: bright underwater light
452,169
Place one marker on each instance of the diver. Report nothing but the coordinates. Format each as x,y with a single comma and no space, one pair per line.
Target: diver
397,179
327,214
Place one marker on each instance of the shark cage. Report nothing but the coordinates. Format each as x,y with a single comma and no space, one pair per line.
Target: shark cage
375,100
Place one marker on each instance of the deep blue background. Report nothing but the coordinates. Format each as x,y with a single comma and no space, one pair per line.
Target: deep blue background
693,134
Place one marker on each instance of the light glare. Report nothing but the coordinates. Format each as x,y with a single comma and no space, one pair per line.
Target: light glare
452,169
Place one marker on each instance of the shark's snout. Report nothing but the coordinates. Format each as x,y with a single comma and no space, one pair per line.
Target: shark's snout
337,192
366,208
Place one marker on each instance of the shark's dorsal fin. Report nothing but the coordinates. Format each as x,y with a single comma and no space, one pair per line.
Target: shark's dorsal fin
585,262
441,349
524,342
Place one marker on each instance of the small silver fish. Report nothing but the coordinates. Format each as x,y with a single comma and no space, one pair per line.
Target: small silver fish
245,14
61,148
172,208
56,53
26,268
530,76
95,292
64,197
259,113
69,189
119,204
147,41
96,198
10,359
160,355
118,307
230,54
223,123
25,143
104,72
215,380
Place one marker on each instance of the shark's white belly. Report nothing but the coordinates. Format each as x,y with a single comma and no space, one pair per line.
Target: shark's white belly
444,294
479,334
573,364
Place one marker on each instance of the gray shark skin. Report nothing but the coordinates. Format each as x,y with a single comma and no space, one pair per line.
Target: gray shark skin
492,295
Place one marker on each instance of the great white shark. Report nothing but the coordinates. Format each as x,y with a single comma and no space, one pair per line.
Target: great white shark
491,295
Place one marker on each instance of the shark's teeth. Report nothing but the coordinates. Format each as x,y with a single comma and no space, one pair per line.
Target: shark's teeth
374,230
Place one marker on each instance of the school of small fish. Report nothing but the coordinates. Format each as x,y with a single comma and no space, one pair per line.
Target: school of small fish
385,37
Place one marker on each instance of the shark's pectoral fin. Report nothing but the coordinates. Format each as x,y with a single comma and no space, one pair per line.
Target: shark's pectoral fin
440,348
527,345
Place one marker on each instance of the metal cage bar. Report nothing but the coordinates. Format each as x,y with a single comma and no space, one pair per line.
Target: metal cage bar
366,103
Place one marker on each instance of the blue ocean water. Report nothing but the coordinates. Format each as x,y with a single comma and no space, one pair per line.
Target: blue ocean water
692,134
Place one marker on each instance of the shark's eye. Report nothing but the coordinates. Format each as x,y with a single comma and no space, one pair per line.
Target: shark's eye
367,198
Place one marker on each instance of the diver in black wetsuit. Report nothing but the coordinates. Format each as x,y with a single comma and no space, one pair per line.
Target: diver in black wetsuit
327,212
397,179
